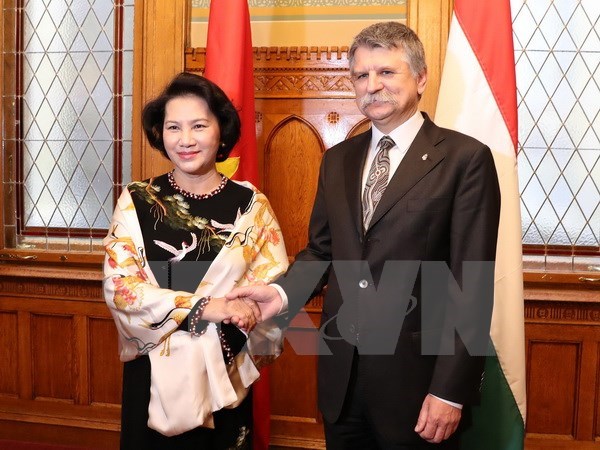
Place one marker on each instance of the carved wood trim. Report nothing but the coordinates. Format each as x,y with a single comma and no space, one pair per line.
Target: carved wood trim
292,72
562,312
83,290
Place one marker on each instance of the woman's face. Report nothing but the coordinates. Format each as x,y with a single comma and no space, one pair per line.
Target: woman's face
191,135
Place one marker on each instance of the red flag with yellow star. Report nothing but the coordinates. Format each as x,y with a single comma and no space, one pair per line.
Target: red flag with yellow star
229,64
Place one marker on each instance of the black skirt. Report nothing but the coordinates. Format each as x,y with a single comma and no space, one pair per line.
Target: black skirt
232,426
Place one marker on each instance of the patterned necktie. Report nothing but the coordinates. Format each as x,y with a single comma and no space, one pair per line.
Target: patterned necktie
377,179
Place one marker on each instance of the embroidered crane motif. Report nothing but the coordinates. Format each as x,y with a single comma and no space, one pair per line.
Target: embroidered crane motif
179,253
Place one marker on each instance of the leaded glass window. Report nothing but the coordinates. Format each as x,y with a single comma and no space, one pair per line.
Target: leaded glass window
557,57
72,139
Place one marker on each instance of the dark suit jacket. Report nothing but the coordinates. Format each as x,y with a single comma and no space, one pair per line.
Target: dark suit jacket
442,204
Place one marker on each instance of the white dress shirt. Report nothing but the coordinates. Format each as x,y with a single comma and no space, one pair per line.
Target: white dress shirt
403,136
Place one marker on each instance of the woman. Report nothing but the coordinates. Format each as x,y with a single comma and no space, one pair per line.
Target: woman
177,244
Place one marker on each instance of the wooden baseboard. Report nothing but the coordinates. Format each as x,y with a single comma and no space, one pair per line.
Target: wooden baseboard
90,439
538,443
289,443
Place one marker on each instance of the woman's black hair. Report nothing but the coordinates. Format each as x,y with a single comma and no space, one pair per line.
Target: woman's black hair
186,84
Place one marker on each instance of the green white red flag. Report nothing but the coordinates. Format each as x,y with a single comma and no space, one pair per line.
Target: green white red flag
478,97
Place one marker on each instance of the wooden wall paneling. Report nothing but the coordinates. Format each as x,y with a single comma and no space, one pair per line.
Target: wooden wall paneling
105,368
81,372
296,420
8,354
300,347
563,367
293,150
554,368
295,135
52,353
596,398
53,328
24,358
588,385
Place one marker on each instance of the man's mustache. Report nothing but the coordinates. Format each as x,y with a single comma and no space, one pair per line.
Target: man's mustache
367,99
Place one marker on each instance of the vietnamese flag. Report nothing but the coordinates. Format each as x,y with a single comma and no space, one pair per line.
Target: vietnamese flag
229,64
478,97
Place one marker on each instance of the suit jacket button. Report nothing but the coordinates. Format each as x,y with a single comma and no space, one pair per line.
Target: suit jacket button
363,284
352,328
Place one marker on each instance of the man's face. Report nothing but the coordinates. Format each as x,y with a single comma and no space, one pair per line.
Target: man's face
386,90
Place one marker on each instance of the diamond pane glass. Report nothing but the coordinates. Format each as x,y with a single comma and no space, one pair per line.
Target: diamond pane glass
68,108
558,84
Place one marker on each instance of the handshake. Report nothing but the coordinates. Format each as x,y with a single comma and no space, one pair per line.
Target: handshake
245,306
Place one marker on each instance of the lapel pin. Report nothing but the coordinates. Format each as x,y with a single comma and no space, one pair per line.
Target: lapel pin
424,157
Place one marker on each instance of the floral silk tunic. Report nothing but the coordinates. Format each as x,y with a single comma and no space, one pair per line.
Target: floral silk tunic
164,251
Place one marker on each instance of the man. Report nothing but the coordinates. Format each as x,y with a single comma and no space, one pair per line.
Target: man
391,203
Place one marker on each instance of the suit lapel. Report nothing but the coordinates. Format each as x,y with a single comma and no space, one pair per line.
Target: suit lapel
353,167
414,166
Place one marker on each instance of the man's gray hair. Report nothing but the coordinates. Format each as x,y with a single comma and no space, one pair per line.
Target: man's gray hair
391,35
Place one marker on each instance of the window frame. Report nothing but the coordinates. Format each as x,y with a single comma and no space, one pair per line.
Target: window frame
155,24
568,258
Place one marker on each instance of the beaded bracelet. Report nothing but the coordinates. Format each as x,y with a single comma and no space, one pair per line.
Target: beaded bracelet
227,352
197,326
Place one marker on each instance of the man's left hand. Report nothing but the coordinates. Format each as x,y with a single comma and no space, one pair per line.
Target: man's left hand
437,420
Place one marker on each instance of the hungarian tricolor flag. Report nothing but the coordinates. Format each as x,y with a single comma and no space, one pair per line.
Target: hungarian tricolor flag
478,97
229,64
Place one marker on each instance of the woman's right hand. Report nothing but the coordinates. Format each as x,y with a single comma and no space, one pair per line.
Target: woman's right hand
245,315
265,296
